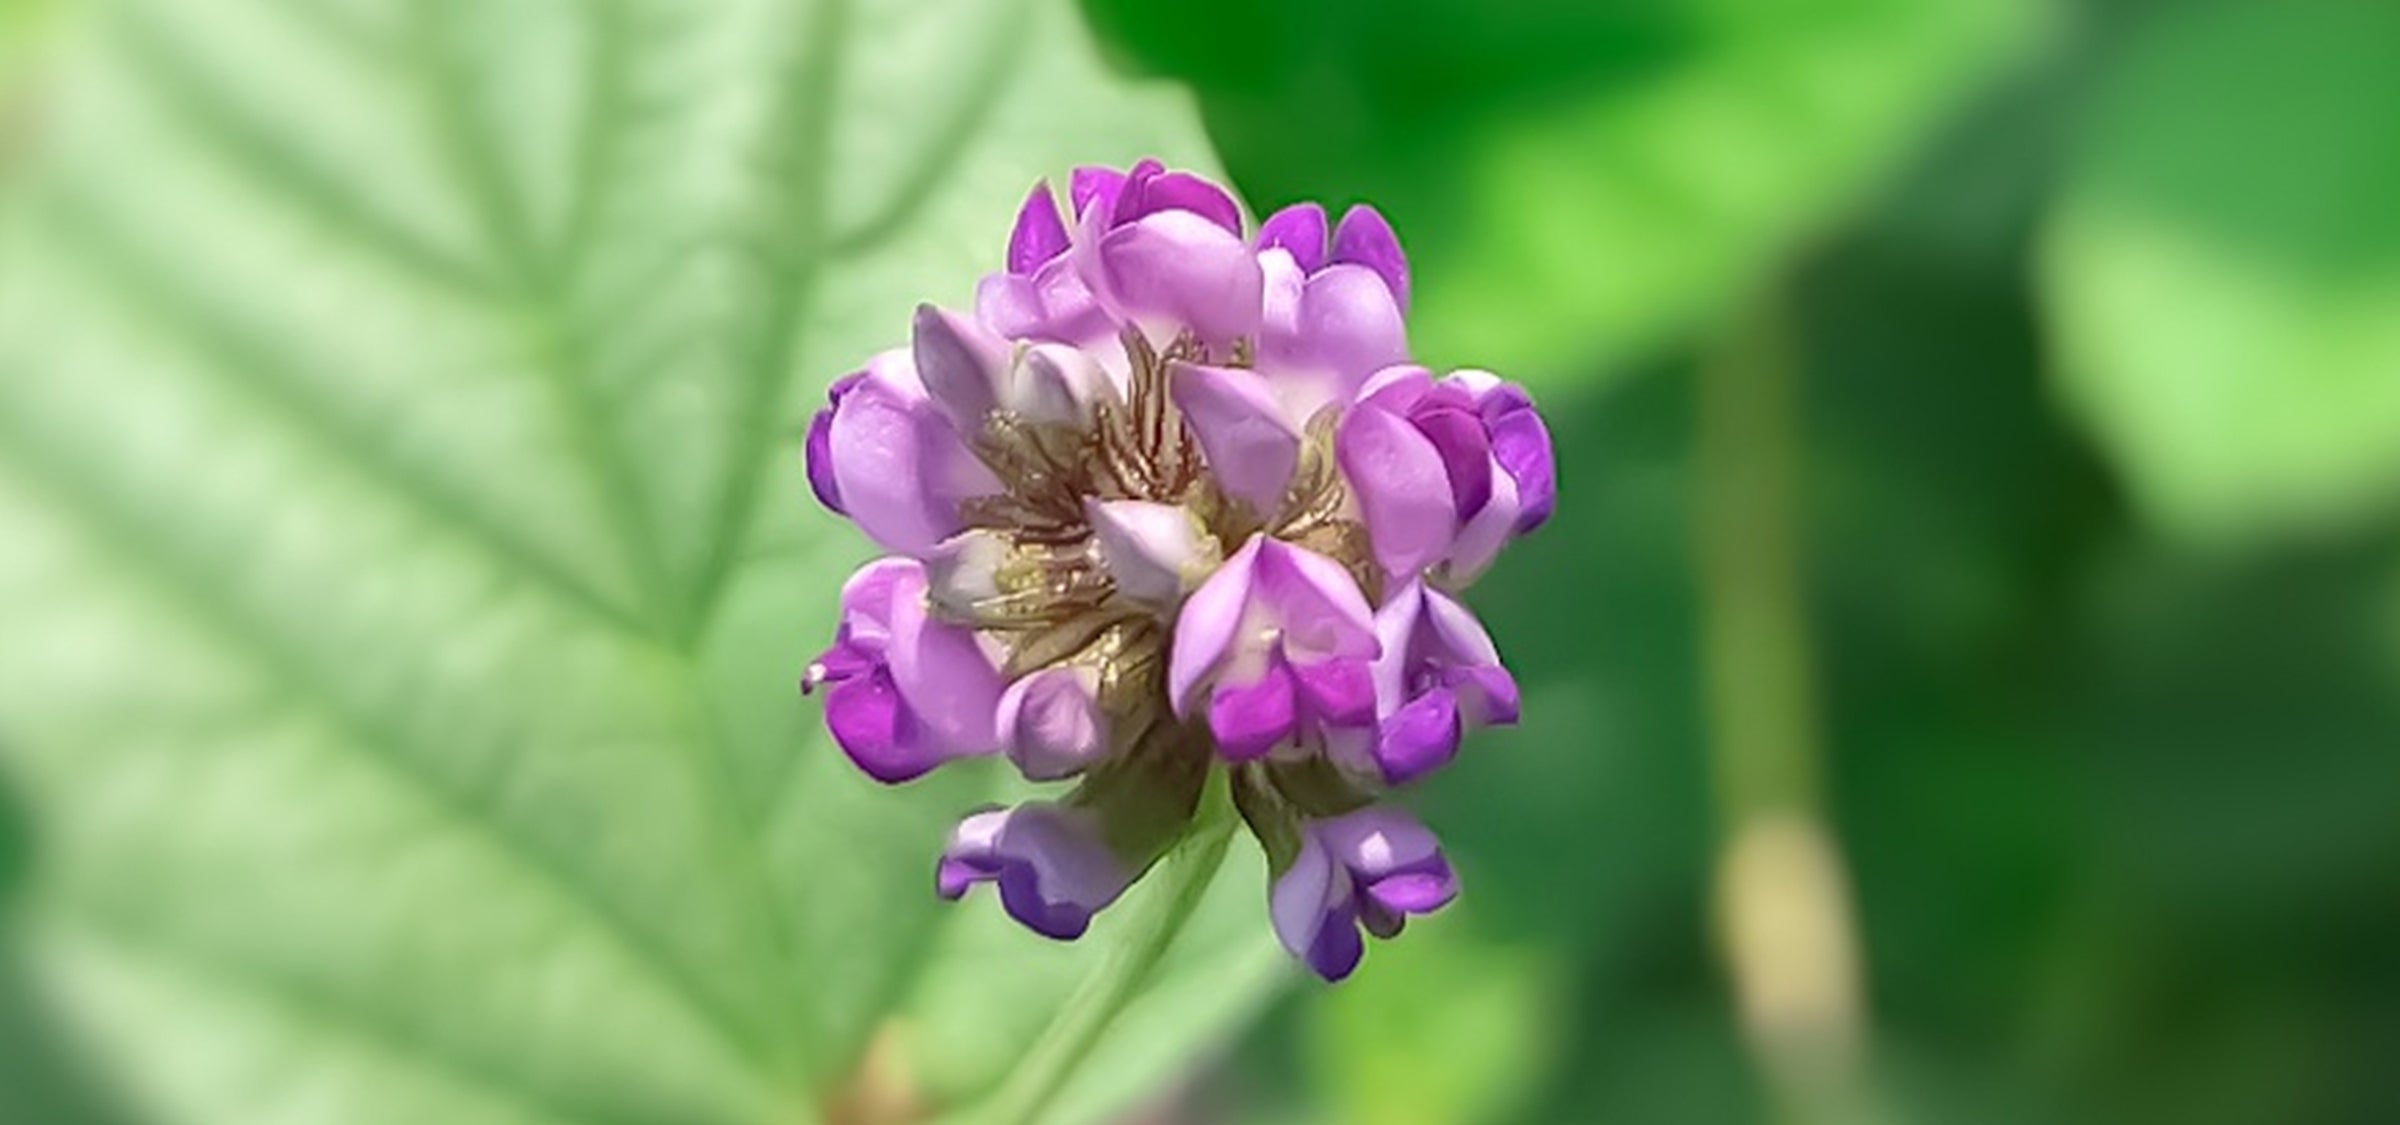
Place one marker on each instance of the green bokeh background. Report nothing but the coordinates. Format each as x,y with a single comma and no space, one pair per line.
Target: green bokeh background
1978,427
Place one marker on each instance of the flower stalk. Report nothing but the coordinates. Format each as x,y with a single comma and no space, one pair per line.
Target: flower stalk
1783,899
1182,881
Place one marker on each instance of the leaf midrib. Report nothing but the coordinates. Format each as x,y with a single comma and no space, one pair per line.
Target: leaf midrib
178,586
183,585
671,619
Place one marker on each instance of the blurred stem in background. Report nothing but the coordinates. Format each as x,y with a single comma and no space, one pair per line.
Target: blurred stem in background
1783,899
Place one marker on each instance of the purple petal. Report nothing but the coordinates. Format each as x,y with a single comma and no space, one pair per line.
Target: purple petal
1207,626
1403,488
1457,433
819,449
1338,692
1250,445
1344,328
868,596
1089,185
1129,194
1480,540
1336,952
899,467
819,454
1054,304
972,854
1318,604
1433,647
1151,190
951,684
1415,892
840,662
1366,239
1052,868
1249,720
1377,841
1396,388
952,878
1154,552
1281,284
1493,395
1487,696
1057,383
1459,637
1053,724
1352,323
1298,900
1299,230
1178,267
1039,234
961,364
1026,898
871,725
1420,738
1011,305
1521,443
1396,631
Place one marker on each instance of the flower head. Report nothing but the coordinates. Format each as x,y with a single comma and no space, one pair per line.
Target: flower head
1172,501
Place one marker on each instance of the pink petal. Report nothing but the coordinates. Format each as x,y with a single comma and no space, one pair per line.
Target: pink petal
1402,488
1366,239
1251,446
1039,235
1300,230
1206,628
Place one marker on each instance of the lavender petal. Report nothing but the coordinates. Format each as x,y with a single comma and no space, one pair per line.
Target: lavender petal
1419,738
1250,445
1366,239
1250,720
1402,487
1298,230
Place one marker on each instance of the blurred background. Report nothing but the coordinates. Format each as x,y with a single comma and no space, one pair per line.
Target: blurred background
1963,675
1980,435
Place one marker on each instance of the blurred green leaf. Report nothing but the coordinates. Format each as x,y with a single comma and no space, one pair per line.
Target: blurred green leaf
1578,182
1676,1062
1448,1027
24,29
2223,271
1584,835
408,563
1591,228
20,20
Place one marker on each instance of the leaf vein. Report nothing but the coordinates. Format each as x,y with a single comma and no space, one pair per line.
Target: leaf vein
302,1002
177,585
246,362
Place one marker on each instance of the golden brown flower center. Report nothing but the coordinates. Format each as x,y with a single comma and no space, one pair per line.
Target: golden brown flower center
1050,598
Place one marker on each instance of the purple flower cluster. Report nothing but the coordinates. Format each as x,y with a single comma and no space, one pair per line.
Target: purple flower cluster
1174,496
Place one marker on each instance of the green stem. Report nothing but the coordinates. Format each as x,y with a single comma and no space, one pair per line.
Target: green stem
1783,898
1175,889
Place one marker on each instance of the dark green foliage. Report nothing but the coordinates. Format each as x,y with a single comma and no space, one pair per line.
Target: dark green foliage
2121,803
